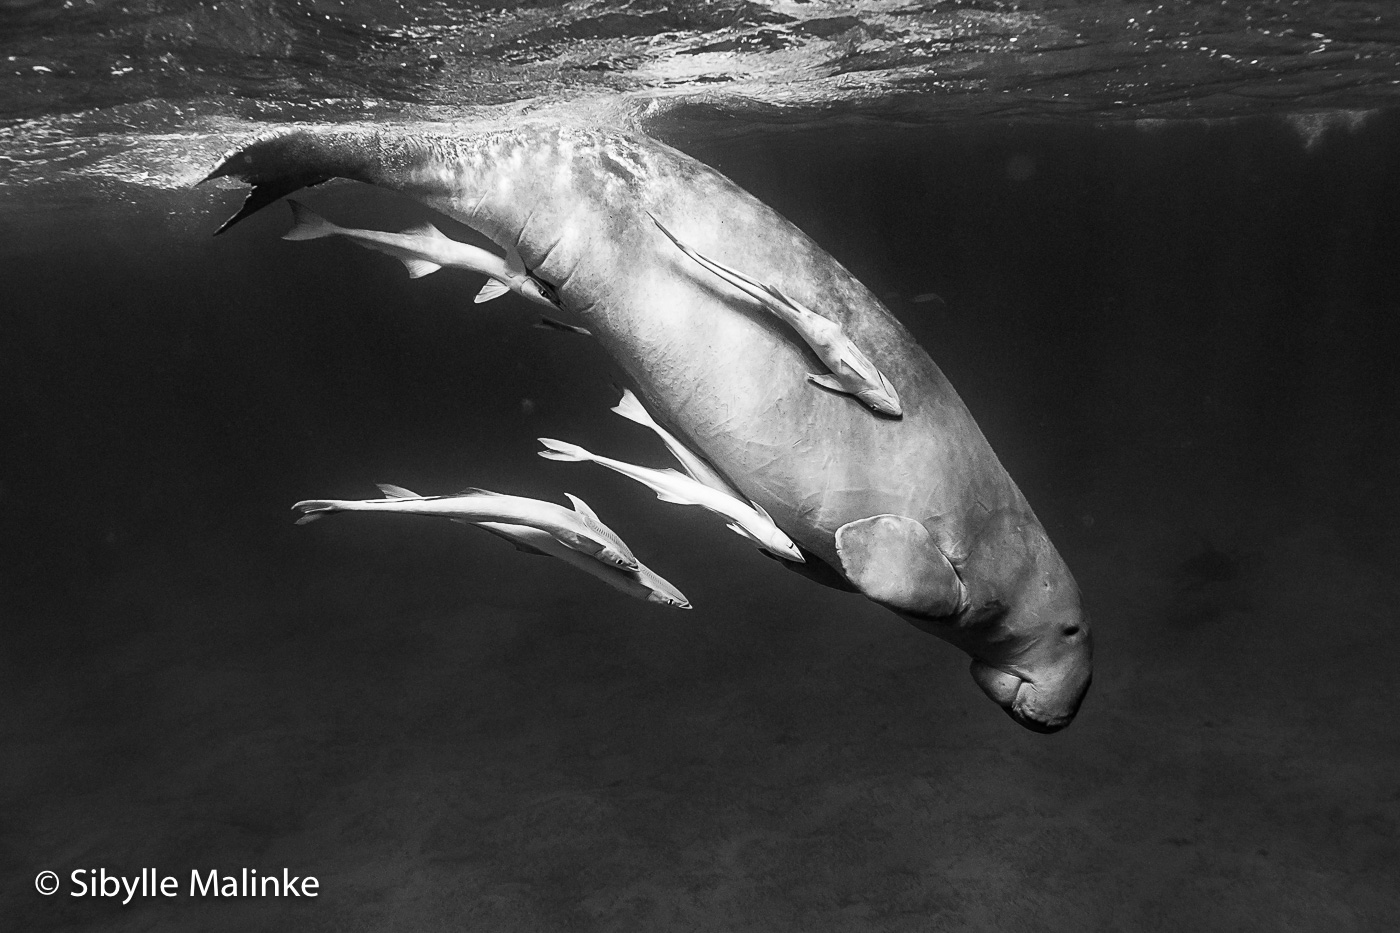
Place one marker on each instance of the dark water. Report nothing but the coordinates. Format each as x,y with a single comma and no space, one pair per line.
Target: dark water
1178,334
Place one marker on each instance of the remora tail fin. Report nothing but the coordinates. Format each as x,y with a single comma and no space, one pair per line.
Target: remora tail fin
425,229
312,509
630,407
559,450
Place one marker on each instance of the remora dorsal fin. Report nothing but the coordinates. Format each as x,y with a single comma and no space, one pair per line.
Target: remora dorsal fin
476,491
671,497
595,525
425,229
582,508
396,492
307,224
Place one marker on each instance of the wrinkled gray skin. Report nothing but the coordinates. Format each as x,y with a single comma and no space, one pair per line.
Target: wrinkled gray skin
917,513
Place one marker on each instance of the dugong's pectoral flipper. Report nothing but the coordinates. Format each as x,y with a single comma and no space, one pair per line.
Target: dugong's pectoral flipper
894,561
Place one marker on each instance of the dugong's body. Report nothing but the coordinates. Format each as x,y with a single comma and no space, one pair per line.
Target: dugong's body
916,512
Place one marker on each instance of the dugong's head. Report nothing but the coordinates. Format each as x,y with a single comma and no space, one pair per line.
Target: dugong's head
1028,635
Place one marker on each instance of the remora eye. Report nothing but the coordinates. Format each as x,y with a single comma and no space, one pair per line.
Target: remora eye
1071,630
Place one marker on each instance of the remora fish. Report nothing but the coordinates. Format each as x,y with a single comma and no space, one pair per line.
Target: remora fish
642,583
549,323
745,519
852,373
700,471
425,249
579,529
916,514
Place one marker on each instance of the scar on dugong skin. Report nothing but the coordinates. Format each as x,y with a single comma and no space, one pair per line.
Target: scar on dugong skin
916,513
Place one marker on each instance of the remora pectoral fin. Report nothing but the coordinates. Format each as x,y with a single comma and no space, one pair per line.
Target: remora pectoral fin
893,561
492,289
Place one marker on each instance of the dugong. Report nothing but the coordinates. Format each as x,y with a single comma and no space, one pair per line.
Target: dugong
916,513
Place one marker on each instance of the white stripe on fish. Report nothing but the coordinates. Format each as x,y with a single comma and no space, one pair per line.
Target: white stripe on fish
425,249
672,486
579,528
852,373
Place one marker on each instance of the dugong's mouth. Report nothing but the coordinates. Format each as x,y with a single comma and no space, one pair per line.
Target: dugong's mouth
1018,696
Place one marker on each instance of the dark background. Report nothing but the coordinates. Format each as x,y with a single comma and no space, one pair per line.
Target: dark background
1180,338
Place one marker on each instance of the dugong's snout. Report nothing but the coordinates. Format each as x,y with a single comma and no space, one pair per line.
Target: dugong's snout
1025,628
1045,699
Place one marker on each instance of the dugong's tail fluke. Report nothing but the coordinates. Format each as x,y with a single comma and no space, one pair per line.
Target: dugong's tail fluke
263,195
280,164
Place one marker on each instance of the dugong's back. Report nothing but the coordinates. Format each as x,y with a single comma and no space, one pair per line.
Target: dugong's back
916,512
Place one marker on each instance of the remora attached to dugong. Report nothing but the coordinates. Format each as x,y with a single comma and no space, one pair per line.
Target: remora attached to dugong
425,249
917,514
851,373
